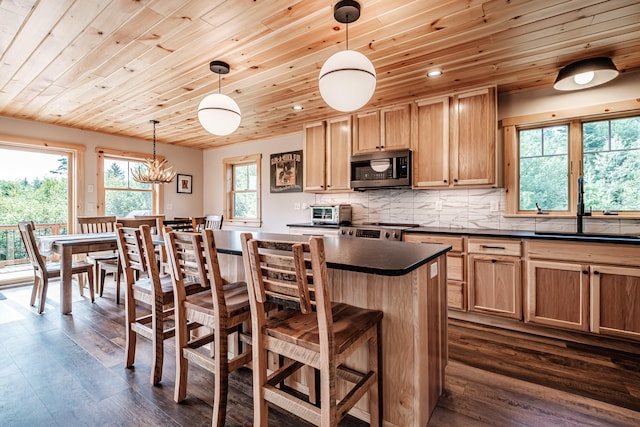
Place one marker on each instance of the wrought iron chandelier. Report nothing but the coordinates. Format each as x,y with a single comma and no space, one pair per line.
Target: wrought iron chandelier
153,171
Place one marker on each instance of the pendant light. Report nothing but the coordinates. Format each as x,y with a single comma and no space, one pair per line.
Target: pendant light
152,171
347,79
218,113
586,73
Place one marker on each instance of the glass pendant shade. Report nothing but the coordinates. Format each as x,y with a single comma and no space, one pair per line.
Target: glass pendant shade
347,81
585,74
219,114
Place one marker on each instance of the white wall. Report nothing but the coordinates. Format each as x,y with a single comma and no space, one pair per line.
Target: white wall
183,160
278,210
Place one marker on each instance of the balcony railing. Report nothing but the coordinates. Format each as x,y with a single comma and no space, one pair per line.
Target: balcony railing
11,247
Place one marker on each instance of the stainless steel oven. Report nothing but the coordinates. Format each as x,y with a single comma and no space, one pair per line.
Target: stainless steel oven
375,230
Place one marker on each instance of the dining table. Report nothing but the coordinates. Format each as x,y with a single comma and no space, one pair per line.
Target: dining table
68,245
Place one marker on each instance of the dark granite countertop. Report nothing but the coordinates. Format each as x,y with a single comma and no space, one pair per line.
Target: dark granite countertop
551,235
360,255
310,225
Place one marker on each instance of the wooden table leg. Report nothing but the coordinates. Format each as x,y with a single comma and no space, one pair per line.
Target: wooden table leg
66,289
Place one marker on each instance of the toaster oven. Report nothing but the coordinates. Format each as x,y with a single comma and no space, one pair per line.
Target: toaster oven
331,214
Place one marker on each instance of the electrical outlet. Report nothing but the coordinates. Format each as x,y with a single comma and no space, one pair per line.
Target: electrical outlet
439,205
296,206
495,206
90,188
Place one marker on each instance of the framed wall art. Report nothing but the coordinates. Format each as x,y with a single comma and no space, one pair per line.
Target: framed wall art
184,183
286,172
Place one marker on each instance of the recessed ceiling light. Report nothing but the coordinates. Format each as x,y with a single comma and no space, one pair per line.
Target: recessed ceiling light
434,73
297,108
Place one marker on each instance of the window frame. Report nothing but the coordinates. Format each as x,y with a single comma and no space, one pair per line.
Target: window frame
574,118
228,165
157,190
75,154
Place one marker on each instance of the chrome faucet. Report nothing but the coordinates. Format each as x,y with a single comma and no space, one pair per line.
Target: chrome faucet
580,211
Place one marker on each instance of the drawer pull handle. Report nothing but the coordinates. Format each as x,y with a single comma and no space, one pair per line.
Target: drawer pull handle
492,247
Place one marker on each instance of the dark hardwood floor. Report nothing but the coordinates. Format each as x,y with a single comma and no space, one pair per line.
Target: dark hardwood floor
68,370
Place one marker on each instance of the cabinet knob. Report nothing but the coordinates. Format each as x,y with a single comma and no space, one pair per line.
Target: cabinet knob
596,272
445,181
455,180
493,261
585,272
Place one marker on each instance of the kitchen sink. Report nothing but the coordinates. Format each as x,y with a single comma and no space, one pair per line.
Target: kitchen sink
596,235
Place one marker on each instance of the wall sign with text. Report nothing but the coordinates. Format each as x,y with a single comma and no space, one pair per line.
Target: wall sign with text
286,172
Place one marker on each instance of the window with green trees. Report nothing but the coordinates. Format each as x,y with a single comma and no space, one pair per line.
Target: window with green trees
612,164
243,190
544,159
605,151
122,194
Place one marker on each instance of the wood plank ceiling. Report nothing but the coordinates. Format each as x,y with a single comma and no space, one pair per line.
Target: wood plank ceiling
112,65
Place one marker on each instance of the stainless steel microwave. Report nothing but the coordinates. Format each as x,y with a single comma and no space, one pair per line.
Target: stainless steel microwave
382,169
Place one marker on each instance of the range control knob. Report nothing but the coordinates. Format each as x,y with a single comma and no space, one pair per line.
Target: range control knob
350,232
343,232
386,234
396,236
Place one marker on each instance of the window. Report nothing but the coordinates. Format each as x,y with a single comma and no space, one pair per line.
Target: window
611,164
242,180
545,161
118,193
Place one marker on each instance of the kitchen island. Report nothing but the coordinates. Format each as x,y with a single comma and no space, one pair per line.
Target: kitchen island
407,281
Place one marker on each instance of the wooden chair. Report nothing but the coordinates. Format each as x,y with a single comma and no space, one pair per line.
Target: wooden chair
103,262
197,223
157,229
149,289
43,271
193,258
179,224
213,222
310,331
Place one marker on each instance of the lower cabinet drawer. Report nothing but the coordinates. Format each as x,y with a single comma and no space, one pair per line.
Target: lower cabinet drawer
456,295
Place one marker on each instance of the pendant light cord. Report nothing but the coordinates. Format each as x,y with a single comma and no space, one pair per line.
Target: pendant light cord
347,29
154,138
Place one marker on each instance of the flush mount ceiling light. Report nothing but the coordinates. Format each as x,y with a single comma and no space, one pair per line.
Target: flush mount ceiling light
218,113
434,73
152,171
586,73
347,79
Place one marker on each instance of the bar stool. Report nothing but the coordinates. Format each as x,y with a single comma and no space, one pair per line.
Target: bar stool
309,330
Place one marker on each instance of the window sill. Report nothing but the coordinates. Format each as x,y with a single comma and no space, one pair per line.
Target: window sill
595,215
243,223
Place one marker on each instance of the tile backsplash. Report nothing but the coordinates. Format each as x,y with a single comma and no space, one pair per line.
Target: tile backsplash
463,208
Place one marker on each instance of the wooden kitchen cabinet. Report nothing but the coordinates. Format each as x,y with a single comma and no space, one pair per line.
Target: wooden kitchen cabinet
327,151
431,147
494,275
455,142
584,286
456,282
381,130
615,300
558,294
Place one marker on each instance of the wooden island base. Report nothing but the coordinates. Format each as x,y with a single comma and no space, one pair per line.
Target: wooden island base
414,333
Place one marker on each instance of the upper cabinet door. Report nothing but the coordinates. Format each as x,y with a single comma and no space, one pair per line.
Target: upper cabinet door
338,153
386,129
431,144
366,132
395,128
473,148
314,158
